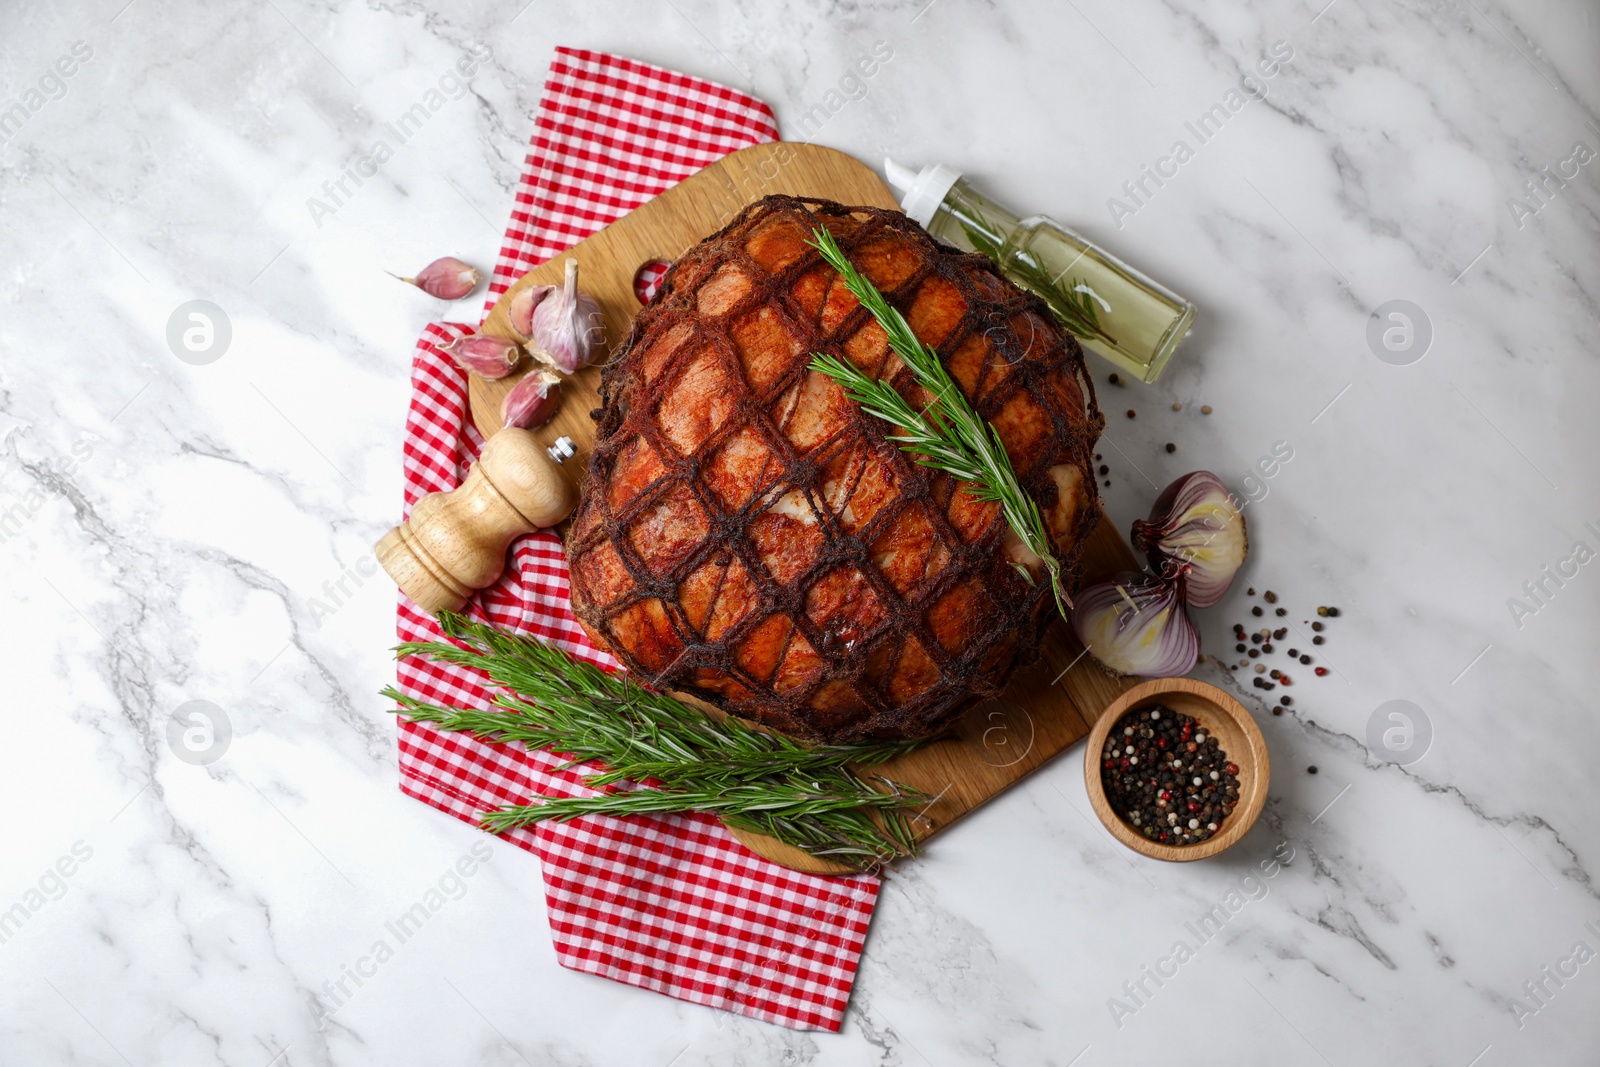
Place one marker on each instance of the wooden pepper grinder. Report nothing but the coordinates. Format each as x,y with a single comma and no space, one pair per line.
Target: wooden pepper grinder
455,542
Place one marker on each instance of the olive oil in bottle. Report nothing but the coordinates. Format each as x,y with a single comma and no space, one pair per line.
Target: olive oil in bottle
1114,310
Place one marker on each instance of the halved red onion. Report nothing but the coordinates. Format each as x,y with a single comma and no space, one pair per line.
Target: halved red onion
1137,624
1195,527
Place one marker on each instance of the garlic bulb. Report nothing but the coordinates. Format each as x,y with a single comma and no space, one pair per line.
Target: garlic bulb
1137,624
484,354
1196,527
523,301
533,401
448,278
568,330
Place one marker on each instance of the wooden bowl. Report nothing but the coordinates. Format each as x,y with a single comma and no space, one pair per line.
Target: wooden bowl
1221,716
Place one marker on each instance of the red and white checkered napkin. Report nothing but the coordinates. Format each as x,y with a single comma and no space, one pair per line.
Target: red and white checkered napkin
674,904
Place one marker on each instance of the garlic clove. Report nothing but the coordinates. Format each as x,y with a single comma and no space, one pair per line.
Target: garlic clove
1137,624
523,301
533,401
1195,526
484,354
447,278
567,328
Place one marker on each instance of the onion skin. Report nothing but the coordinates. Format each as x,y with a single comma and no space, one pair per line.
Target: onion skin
1138,624
1195,527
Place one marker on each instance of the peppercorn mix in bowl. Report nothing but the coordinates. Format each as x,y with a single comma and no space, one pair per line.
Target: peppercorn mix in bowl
1176,769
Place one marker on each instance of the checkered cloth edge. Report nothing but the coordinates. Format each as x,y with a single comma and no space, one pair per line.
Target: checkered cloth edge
673,904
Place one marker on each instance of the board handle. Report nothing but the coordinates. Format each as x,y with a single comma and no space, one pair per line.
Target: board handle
455,543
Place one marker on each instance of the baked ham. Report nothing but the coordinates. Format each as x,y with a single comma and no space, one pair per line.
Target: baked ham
749,536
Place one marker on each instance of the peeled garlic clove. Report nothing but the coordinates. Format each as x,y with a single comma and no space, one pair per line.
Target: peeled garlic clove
1137,624
568,330
523,301
533,401
448,278
484,354
1196,526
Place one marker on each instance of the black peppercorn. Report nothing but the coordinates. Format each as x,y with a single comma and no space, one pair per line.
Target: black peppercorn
1256,610
1178,805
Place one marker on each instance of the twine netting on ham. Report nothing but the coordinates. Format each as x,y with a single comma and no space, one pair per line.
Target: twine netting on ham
749,535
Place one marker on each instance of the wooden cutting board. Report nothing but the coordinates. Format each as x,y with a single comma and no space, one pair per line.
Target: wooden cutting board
1046,708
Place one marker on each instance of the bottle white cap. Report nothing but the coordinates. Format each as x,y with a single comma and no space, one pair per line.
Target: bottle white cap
922,192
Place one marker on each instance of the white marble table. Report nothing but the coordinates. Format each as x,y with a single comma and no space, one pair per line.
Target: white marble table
174,532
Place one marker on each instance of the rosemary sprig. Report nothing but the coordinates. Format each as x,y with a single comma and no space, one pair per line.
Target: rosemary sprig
1073,306
811,798
948,435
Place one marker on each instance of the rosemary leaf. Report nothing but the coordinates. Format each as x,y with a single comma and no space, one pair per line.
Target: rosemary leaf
809,797
948,435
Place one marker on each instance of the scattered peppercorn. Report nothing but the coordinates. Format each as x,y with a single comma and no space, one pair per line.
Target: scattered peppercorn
1276,673
1171,447
1323,612
1270,597
1238,648
1131,413
1104,469
1280,633
1114,380
1286,700
1322,672
1333,613
1277,710
1281,612
1317,640
1254,652
1293,653
1305,659
1205,409
1317,626
1176,406
1311,769
1267,647
1251,591
1160,766
1256,610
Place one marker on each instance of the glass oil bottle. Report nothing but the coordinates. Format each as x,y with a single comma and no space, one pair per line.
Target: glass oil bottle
1115,311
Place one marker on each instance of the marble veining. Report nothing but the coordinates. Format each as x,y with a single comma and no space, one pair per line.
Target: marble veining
176,531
